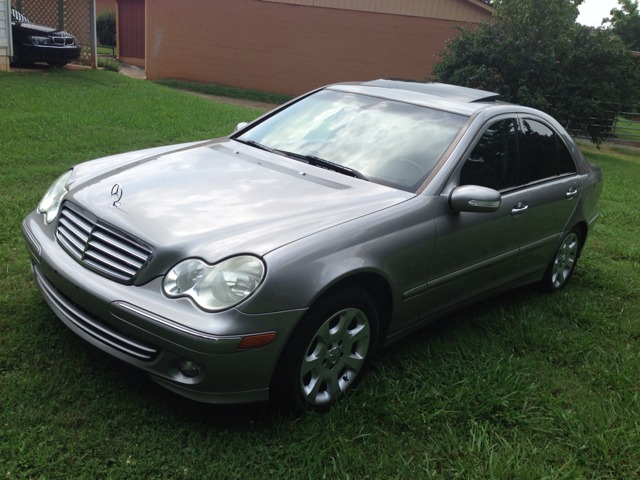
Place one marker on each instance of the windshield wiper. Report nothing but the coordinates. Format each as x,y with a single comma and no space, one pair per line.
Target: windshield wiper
310,159
253,143
322,163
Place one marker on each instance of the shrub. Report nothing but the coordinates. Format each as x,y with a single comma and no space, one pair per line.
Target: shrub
106,28
109,64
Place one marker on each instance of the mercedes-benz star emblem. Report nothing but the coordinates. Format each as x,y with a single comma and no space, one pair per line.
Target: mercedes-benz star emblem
116,195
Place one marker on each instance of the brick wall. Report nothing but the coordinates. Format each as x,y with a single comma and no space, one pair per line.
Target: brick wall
286,48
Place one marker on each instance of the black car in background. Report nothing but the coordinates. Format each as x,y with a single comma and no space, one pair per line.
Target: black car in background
37,43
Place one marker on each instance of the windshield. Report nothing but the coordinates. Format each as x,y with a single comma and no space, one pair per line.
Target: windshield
388,142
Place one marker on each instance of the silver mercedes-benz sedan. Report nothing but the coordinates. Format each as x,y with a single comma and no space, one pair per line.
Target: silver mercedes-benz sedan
273,263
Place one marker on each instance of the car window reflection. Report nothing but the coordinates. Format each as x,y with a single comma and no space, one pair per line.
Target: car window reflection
493,163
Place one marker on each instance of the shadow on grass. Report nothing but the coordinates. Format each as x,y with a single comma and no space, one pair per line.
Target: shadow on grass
163,406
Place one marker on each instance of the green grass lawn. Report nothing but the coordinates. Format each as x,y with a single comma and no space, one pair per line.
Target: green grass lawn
524,386
105,50
225,91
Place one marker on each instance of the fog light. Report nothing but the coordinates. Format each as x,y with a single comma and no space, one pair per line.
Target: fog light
189,369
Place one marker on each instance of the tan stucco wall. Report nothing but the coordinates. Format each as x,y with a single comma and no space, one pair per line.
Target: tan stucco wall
105,6
286,48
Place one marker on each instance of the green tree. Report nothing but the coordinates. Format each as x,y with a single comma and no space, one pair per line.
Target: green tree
534,53
625,23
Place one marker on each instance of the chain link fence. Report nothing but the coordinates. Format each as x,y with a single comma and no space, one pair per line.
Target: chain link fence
75,16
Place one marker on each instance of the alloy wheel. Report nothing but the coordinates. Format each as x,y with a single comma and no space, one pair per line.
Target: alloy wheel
335,356
565,260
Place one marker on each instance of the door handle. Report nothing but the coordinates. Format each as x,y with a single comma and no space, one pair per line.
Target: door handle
519,209
572,192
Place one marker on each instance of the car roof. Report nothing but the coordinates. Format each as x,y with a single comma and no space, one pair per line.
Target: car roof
453,98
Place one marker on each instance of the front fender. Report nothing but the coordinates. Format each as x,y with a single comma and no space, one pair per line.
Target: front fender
395,244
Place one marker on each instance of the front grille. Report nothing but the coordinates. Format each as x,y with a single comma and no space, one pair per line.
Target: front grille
63,40
100,246
93,326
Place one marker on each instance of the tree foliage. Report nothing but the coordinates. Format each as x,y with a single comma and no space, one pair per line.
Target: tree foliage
534,53
625,22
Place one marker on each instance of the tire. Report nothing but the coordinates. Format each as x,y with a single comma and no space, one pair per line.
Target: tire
563,263
327,353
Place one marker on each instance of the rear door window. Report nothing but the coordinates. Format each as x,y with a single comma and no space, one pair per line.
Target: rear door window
543,154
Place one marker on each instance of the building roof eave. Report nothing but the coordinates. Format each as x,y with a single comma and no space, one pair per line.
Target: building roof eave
483,5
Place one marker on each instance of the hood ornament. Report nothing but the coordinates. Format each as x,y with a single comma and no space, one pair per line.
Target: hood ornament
116,195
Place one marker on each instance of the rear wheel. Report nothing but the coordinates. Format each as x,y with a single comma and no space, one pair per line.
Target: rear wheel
328,352
563,264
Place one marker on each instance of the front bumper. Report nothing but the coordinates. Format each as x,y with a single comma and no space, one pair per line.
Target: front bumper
140,326
55,54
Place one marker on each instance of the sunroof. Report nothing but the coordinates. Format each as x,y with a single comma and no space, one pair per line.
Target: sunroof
441,90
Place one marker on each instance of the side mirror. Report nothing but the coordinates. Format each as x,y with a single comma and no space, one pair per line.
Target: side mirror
473,198
240,126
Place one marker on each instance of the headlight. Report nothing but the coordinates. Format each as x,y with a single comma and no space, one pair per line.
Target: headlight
215,287
40,40
50,203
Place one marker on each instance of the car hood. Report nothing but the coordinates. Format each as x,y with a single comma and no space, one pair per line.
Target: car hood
219,199
35,29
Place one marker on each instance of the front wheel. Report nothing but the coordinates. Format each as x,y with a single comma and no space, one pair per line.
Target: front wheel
563,264
328,352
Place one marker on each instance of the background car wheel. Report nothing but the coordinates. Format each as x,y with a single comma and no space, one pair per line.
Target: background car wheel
328,352
564,262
